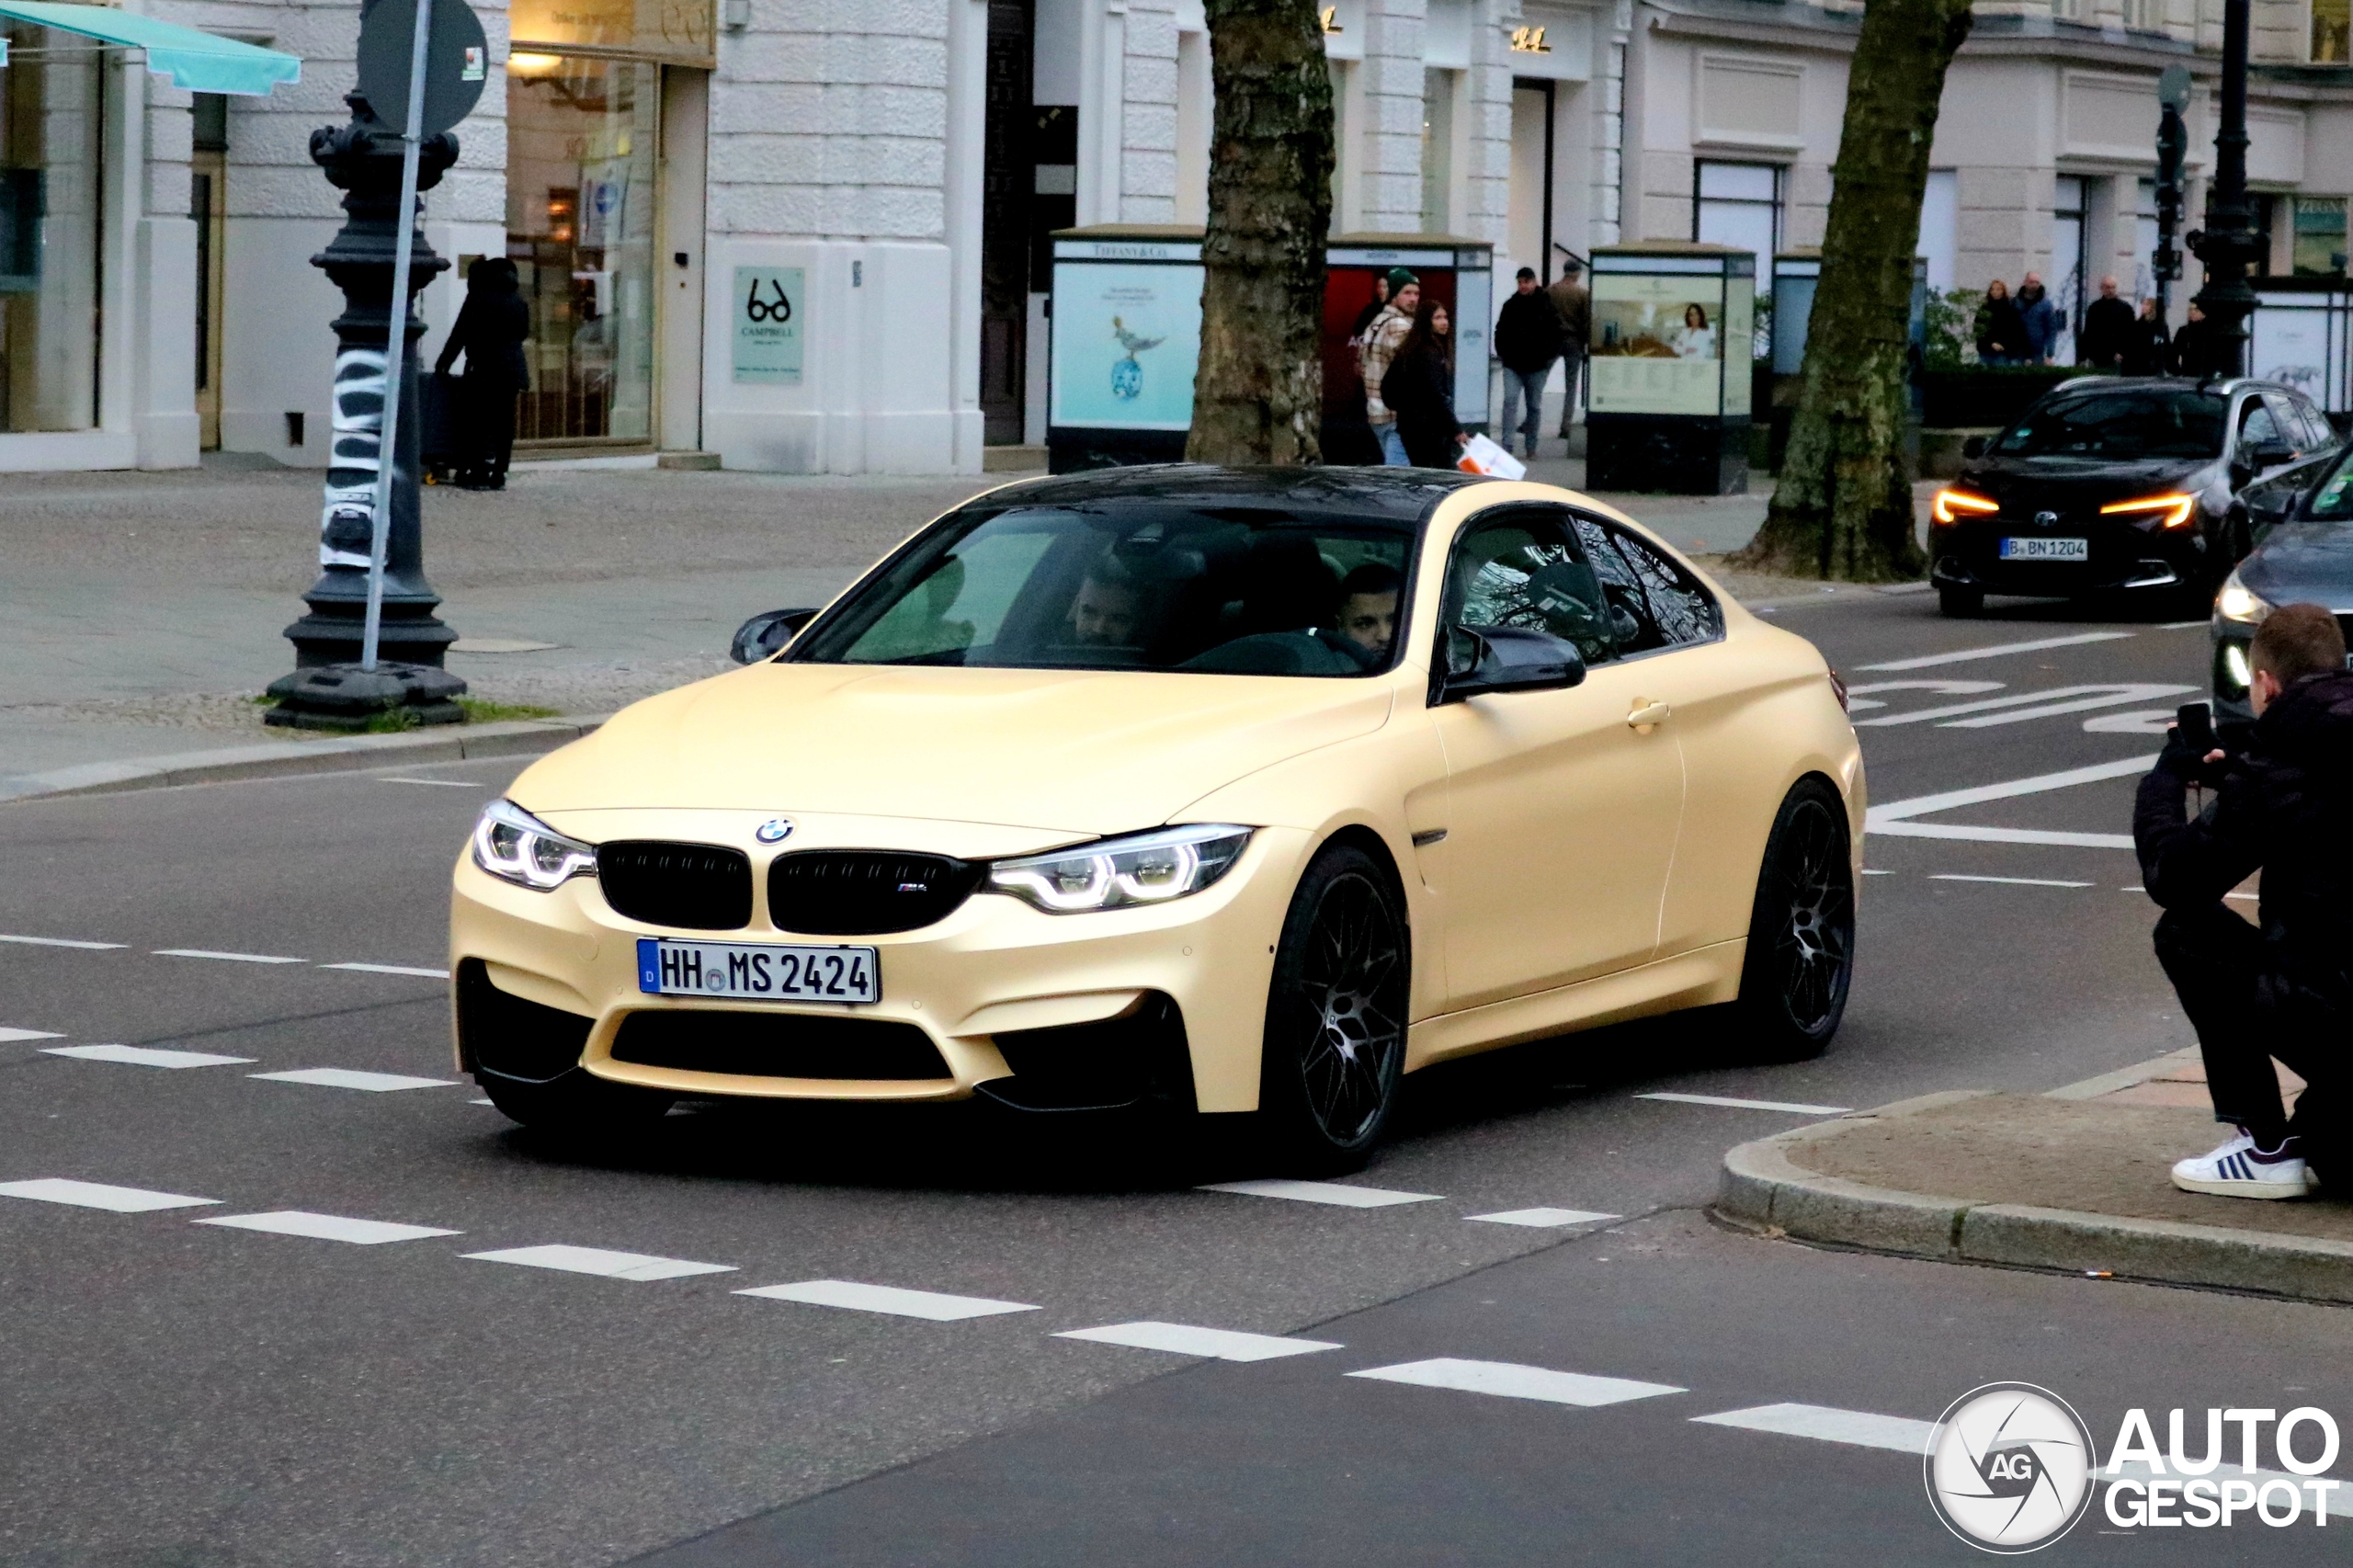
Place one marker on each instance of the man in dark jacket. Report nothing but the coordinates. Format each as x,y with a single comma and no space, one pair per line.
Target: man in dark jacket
2284,806
2108,330
490,330
2194,348
1528,339
2043,321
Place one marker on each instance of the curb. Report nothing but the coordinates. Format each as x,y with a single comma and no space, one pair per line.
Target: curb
1762,1187
285,759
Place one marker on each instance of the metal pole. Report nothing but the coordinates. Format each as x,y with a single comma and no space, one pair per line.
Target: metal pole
396,333
2229,243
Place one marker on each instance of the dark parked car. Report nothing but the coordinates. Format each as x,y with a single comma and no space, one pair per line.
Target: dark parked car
2303,554
2115,484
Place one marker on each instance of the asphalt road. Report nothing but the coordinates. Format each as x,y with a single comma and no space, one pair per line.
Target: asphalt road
185,1392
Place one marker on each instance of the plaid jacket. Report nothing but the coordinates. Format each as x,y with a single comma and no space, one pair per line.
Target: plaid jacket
1380,341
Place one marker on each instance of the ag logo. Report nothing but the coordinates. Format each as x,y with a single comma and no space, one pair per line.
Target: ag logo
2009,1469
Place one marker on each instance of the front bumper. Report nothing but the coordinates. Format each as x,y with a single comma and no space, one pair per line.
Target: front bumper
995,966
2122,557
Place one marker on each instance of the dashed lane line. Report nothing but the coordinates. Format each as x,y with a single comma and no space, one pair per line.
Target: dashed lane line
10,1037
348,1078
224,958
389,969
1543,1219
1964,655
99,1194
64,942
1897,1433
633,1266
2010,882
1333,1192
328,1227
145,1056
1511,1380
887,1298
1185,1339
438,783
1794,1107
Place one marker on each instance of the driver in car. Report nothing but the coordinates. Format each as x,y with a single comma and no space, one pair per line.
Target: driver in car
1368,607
1107,610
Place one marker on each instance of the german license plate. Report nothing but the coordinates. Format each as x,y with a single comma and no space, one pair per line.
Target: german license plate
2046,550
733,969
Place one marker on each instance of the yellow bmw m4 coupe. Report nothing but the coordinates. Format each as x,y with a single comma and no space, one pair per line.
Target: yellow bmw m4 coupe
1232,791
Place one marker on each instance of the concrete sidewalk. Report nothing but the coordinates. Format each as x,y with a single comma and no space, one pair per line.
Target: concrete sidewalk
2076,1179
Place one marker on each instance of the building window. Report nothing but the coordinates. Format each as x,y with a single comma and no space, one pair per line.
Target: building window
2145,16
1738,205
2331,22
50,108
2144,240
1940,229
2064,278
1437,152
2068,10
2320,237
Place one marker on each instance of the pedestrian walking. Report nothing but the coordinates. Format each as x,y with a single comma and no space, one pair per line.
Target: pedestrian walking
1383,338
2001,329
2145,347
1575,306
2108,330
1419,390
2194,347
2281,988
1380,303
489,330
2042,320
1528,341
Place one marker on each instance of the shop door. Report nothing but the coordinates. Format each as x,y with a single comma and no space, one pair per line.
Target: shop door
207,206
1008,181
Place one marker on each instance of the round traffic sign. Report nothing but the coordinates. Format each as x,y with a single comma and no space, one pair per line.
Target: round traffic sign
457,62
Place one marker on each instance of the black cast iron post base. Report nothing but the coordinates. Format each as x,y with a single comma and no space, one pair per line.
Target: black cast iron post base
349,699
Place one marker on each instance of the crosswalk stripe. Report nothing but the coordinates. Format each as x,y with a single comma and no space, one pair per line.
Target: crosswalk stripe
1796,1108
9,1037
888,1298
145,1055
1334,1192
1544,1219
98,1195
1899,1434
328,1227
635,1266
1511,1380
349,1078
1185,1339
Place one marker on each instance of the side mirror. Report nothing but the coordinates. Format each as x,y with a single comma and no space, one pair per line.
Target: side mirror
1973,447
1488,659
2268,454
767,632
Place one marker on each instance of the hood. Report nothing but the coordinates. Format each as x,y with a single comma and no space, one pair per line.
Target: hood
1081,752
2304,562
2057,483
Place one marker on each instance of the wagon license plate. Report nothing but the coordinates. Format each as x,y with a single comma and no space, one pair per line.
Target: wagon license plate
2046,550
665,967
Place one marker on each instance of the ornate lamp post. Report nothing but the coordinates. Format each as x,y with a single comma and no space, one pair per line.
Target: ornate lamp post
2229,244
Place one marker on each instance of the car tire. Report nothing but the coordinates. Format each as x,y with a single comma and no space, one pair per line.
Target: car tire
1801,960
1334,1043
578,1104
1960,604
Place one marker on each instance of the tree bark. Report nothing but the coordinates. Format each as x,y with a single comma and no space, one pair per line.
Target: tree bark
1259,393
1843,508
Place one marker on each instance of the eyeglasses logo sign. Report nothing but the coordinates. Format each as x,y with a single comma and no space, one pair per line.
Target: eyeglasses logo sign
2009,1469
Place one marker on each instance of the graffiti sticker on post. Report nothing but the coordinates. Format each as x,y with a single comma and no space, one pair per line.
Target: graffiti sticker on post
768,322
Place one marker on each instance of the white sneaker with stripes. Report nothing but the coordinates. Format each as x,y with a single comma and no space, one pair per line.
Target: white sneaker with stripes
2239,1169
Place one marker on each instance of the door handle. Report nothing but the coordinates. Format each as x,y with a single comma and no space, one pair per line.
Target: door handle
1650,714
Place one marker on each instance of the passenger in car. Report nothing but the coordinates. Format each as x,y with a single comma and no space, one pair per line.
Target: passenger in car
1368,606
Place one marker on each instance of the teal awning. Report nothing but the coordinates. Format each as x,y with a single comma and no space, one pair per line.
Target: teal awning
195,60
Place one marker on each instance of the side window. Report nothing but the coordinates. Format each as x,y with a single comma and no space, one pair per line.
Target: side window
1669,607
2321,435
1524,568
2257,426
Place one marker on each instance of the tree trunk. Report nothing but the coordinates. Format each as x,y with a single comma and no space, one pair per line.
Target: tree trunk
1843,508
1258,394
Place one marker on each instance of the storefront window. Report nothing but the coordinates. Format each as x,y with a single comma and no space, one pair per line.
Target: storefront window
2320,236
580,221
50,119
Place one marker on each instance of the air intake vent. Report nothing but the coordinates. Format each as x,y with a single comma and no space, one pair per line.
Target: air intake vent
699,887
778,1045
863,893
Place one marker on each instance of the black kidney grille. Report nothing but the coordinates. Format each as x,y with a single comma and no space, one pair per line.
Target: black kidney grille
702,886
863,892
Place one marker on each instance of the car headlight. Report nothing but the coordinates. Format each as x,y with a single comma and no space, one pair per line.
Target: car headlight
1953,502
1118,873
2171,510
516,847
2240,603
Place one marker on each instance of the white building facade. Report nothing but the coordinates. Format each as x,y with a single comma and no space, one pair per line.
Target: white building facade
893,167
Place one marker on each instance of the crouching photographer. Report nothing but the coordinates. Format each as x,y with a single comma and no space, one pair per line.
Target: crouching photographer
2283,806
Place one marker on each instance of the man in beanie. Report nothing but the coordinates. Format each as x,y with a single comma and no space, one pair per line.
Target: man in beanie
1381,340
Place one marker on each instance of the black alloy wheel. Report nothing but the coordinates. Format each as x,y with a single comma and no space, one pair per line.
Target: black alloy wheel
1800,958
1336,1016
578,1104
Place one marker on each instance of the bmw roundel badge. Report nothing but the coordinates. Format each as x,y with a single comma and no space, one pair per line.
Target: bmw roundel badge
776,830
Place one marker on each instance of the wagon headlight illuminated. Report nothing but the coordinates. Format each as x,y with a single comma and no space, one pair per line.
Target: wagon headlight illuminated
1118,873
2240,603
516,847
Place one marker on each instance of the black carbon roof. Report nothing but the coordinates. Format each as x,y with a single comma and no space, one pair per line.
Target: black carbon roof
1400,495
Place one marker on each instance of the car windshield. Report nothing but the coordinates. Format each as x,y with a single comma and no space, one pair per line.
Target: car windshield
2149,422
1226,590
2332,502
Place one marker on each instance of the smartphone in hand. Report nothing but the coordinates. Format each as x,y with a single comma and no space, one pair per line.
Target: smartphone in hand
2194,723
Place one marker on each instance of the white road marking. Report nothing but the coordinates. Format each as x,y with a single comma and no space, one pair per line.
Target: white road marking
2246,897
2183,625
2134,888
1964,655
1790,1106
482,1102
2013,881
347,1078
1894,819
226,957
329,1227
98,1195
1871,872
64,942
888,1298
1543,1219
2021,706
2143,721
391,968
438,783
1860,1428
1513,1382
1333,1192
595,1260
1860,698
9,1037
1184,1339
145,1056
